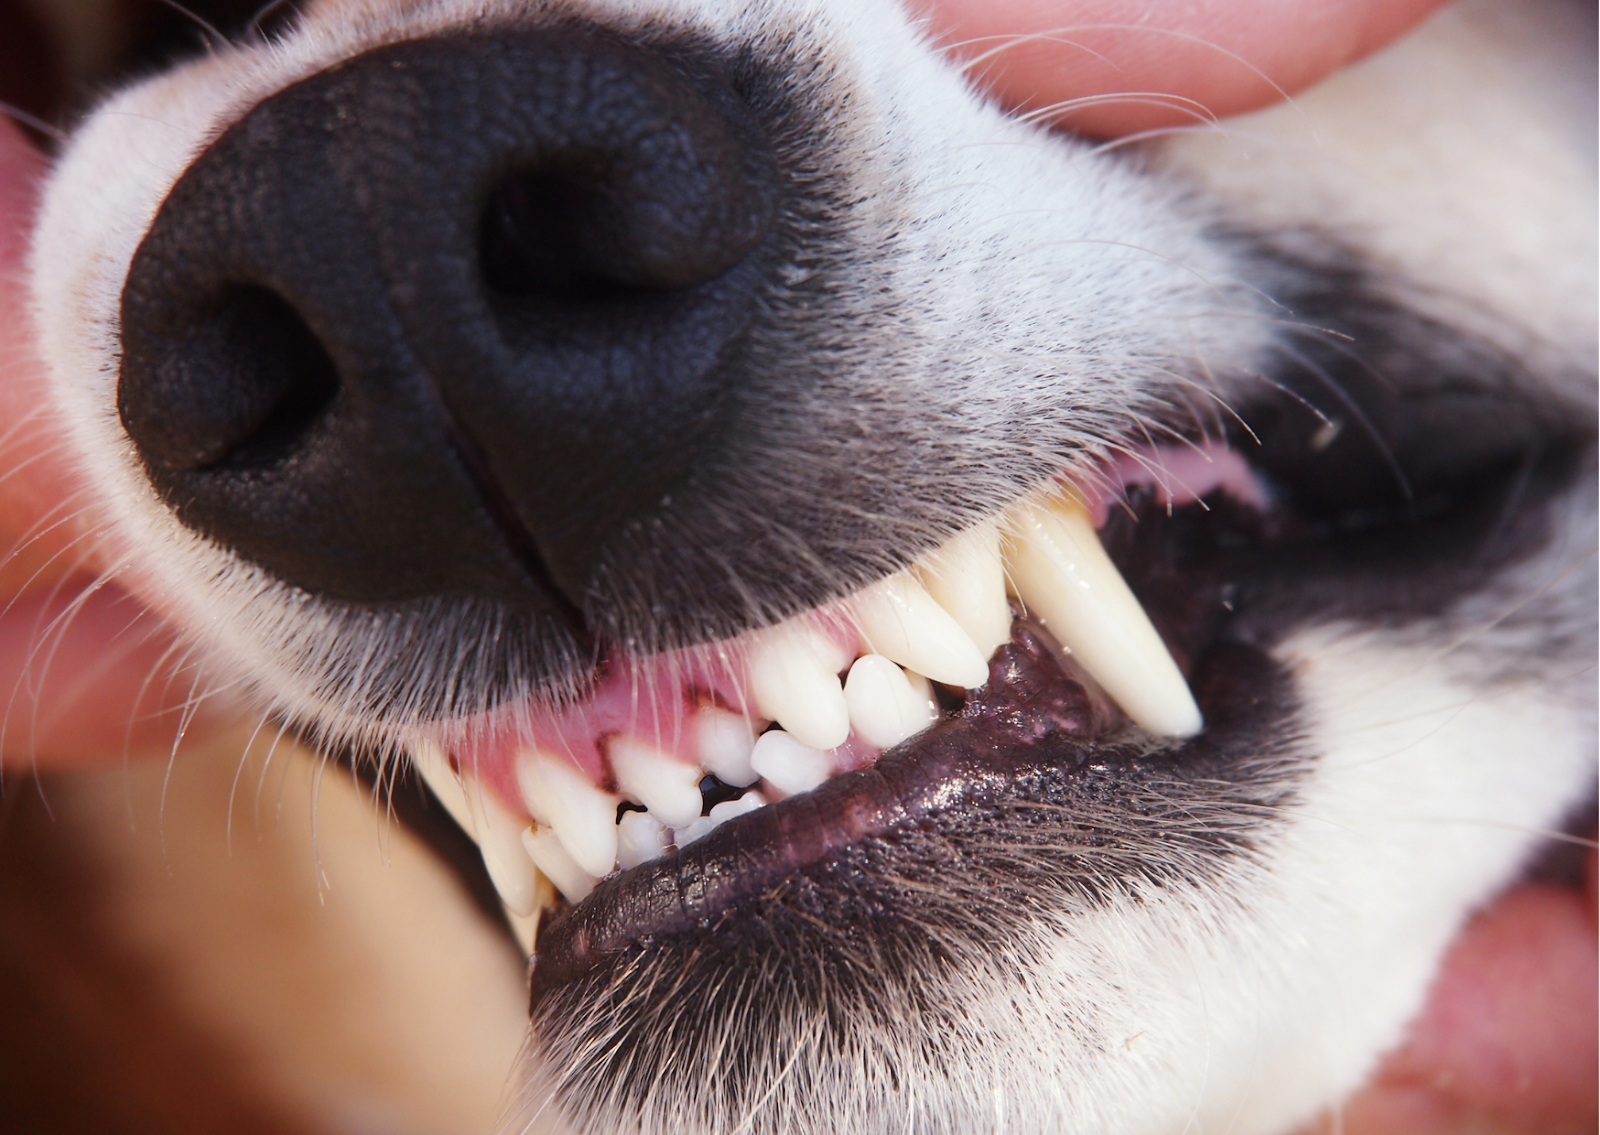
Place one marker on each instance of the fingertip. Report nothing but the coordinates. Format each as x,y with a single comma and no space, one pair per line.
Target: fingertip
1115,67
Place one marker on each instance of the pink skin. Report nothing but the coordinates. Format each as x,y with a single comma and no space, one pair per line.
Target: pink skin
653,698
1111,68
1508,1038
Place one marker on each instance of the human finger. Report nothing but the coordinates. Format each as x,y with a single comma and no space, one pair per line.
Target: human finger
1115,67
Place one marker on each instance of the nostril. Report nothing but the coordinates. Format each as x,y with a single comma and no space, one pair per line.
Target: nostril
238,387
593,224
544,233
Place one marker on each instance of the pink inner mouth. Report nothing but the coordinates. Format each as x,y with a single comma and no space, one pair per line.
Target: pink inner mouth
656,699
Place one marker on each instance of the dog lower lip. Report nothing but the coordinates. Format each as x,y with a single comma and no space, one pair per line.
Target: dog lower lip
1034,708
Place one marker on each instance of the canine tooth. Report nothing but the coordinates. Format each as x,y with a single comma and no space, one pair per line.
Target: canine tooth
901,621
548,853
1064,577
967,578
583,817
788,764
497,832
662,783
720,814
794,678
723,742
640,838
500,839
885,708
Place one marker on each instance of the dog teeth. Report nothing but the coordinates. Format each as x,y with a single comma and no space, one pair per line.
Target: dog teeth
788,764
666,786
1065,578
794,678
723,742
720,814
901,621
885,707
500,839
564,801
640,838
967,578
942,618
548,853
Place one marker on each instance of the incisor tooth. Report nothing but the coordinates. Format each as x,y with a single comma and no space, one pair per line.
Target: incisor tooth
659,781
723,742
583,817
901,621
967,579
719,815
640,838
500,839
885,707
794,679
787,764
1066,579
544,847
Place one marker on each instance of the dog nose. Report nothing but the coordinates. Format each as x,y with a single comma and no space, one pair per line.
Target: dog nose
449,316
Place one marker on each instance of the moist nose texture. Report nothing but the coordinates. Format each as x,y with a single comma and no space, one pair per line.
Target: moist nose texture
445,317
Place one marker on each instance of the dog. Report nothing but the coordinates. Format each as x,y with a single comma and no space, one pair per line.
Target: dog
943,626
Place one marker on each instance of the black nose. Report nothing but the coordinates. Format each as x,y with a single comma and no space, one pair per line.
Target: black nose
445,318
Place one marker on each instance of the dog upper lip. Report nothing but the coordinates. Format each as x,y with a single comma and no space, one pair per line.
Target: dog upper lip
640,740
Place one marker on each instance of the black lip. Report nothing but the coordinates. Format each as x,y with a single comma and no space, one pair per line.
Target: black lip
1037,733
1223,583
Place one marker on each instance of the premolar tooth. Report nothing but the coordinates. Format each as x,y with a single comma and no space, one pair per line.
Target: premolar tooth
788,764
549,854
583,817
885,707
1066,579
640,838
901,621
723,742
500,839
659,781
794,679
967,579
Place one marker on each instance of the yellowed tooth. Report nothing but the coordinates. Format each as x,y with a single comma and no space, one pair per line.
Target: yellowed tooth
497,831
563,800
499,835
901,621
668,787
794,680
966,577
1067,581
547,851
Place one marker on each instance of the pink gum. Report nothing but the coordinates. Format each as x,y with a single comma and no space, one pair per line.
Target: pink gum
653,699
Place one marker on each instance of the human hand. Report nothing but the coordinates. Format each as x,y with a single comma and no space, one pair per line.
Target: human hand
1116,67
87,676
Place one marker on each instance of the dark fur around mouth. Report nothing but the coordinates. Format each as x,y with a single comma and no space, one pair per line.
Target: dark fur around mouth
839,905
1033,790
847,906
